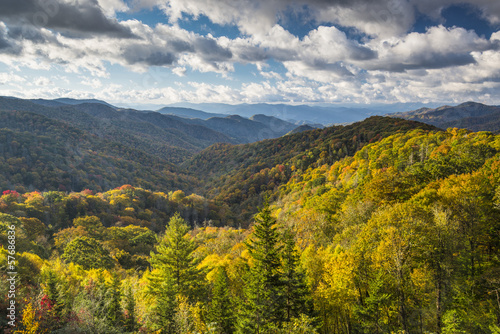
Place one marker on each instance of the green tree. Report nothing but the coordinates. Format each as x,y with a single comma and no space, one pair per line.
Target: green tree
162,288
91,224
130,321
174,257
88,253
263,308
296,293
221,308
53,303
113,305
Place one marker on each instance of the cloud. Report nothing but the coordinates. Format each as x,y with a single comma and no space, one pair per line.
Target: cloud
438,47
9,78
165,46
271,75
211,50
489,9
256,18
179,71
385,62
110,7
42,81
72,16
7,45
94,83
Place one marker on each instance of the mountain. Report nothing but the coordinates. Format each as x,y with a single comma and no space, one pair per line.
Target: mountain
380,226
37,152
188,113
78,101
470,115
298,114
274,123
167,137
301,128
244,130
241,175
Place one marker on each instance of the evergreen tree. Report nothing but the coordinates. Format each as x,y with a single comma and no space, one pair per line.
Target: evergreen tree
114,296
130,321
162,288
55,303
296,292
174,257
221,308
264,304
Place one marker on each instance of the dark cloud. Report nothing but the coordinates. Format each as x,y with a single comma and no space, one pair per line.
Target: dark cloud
252,54
210,50
337,67
180,46
427,61
165,55
150,56
159,59
7,46
83,17
359,52
4,44
281,54
31,33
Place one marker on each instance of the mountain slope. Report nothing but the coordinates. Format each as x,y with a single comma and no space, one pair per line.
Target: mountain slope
470,115
243,130
240,175
165,136
37,152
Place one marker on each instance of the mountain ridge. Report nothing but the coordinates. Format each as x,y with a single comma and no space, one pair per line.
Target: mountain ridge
471,115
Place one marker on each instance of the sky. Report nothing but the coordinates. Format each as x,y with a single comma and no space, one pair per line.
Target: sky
252,51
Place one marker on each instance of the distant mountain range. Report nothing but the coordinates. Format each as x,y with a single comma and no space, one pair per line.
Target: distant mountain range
189,113
73,145
470,115
246,123
315,116
174,136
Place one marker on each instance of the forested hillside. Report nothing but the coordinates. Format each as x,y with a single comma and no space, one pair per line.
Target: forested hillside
39,153
242,175
383,226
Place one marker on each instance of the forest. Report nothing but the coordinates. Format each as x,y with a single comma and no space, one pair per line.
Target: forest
382,226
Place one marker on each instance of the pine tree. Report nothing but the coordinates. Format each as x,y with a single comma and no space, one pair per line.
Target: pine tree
162,288
174,257
114,296
130,321
296,293
264,304
221,309
175,273
55,304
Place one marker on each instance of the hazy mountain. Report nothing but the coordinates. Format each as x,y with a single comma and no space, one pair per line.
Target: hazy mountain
274,123
470,115
244,130
188,113
169,137
293,113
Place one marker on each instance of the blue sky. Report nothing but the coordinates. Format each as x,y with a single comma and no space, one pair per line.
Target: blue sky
133,52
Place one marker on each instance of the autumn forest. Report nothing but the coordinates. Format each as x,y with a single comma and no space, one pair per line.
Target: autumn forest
381,226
